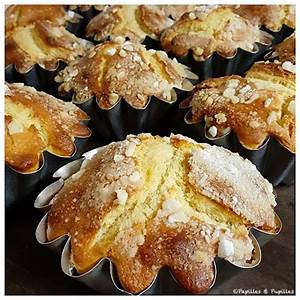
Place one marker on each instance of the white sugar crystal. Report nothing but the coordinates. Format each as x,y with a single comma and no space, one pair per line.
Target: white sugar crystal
229,92
130,149
128,47
171,205
272,117
14,127
234,200
288,66
136,58
111,51
122,196
235,99
220,118
192,16
213,131
291,107
71,13
233,83
162,54
267,102
225,248
135,177
245,89
178,217
119,39
122,53
113,98
7,90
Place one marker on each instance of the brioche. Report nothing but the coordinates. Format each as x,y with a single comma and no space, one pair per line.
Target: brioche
271,16
118,69
35,122
211,28
134,21
24,15
42,43
149,202
252,111
260,105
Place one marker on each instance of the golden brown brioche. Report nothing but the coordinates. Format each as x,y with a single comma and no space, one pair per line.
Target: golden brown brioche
253,111
211,28
42,43
35,122
271,16
175,11
24,15
280,74
118,69
132,21
149,202
279,77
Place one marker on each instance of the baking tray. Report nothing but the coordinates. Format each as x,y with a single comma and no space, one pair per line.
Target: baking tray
21,189
37,77
284,32
103,276
217,65
122,119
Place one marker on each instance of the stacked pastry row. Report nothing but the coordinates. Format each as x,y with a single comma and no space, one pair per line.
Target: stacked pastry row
123,76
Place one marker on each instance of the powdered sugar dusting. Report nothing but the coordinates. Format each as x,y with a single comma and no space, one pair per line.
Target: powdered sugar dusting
233,181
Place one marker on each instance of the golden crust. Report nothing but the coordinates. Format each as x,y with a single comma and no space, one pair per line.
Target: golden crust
42,43
132,21
24,15
273,76
112,71
176,11
252,107
211,28
271,16
35,122
144,203
286,50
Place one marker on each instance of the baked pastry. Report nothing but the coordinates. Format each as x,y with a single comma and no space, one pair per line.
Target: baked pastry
42,43
24,15
118,70
253,108
279,73
35,122
133,21
277,77
270,16
285,51
211,28
147,202
176,11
